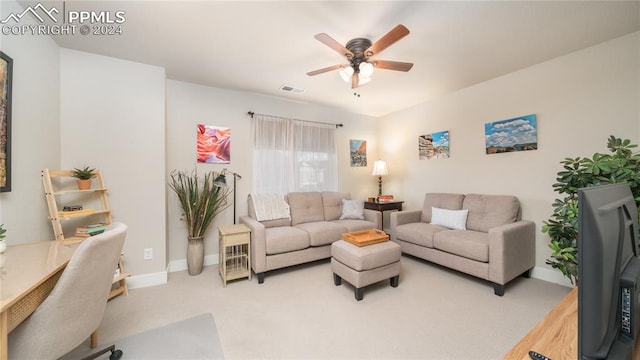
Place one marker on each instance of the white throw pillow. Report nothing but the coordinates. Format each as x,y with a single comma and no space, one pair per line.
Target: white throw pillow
453,219
352,209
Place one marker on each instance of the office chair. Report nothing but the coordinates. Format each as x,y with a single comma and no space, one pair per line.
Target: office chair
76,305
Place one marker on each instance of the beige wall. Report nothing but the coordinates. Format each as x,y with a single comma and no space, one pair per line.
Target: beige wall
35,130
579,99
190,104
112,115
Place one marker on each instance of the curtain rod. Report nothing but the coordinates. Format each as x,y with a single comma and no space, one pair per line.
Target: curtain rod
251,113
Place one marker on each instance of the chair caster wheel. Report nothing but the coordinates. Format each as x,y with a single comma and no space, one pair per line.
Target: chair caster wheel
115,355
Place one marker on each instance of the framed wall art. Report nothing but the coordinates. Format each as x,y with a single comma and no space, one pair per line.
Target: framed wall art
214,144
433,146
358,153
517,134
6,75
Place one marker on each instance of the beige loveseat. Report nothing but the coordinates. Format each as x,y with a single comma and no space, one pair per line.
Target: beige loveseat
492,244
306,236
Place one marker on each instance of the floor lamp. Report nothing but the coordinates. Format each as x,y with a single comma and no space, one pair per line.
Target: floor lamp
221,181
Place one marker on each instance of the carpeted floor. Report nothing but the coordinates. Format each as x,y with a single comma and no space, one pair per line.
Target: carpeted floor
298,313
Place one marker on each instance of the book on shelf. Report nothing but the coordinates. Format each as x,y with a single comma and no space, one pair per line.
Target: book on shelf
92,229
72,208
87,234
77,212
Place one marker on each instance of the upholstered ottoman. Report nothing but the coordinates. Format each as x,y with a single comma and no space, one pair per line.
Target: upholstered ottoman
362,266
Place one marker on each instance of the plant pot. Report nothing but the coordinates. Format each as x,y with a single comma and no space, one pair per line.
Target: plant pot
84,184
3,246
195,255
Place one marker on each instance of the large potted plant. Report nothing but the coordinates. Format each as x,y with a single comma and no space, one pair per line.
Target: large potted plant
201,200
621,166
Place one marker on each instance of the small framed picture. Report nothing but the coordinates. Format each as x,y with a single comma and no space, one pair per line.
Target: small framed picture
6,74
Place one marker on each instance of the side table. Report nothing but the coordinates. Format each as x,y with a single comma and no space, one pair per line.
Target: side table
234,252
383,206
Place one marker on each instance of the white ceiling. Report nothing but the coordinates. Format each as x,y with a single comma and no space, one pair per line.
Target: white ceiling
259,46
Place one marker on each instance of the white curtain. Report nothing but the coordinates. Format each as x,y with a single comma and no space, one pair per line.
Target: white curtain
293,155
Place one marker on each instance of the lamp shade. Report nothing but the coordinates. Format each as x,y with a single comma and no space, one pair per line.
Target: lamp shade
366,69
220,181
380,168
345,73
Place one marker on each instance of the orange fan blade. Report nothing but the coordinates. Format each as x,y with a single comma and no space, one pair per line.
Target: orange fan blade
330,42
392,65
387,40
324,70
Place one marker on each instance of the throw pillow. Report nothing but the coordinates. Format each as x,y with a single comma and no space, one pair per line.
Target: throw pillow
453,219
352,209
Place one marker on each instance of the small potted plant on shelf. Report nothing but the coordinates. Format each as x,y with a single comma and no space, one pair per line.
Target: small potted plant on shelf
3,245
84,176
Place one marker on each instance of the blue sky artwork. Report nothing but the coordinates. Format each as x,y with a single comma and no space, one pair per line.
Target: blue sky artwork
512,132
441,138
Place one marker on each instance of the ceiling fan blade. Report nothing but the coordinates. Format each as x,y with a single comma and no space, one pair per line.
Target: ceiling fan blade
387,40
355,79
324,70
330,42
392,65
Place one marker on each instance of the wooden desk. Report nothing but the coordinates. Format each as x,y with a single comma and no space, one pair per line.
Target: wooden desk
556,336
28,273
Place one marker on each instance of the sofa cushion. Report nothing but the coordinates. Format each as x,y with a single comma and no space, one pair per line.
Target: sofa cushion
442,201
305,207
489,211
332,204
452,219
470,244
283,239
322,232
352,209
418,233
355,225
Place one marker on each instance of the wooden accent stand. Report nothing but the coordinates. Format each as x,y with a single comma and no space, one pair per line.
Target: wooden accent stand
234,250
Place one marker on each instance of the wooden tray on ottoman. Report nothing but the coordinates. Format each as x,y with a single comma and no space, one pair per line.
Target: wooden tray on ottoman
365,237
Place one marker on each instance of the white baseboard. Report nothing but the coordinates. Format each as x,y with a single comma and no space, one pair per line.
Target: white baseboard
181,265
550,275
146,280
159,278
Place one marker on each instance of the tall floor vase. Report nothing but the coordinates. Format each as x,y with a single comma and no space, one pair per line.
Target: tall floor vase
195,255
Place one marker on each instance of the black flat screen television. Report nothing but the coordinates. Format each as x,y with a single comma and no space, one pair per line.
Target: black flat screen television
608,272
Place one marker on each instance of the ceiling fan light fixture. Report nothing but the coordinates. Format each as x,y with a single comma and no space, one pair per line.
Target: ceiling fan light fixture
366,69
363,80
346,73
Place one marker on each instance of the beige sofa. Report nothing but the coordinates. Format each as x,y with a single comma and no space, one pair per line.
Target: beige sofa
496,245
306,236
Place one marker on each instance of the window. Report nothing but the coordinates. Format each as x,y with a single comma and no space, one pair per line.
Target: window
293,155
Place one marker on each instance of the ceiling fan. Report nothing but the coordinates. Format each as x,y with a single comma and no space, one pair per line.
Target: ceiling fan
360,52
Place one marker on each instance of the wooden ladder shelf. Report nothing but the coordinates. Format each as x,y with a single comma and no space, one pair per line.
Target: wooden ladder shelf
87,208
